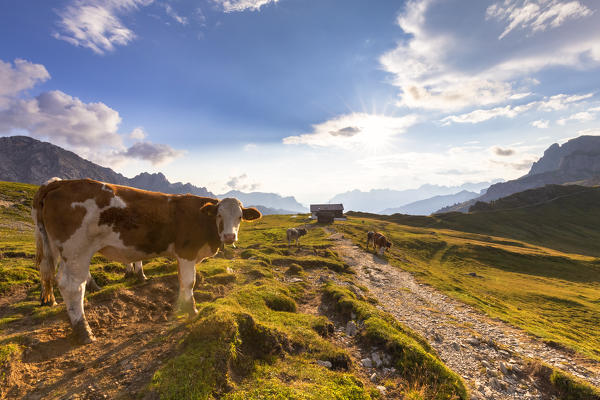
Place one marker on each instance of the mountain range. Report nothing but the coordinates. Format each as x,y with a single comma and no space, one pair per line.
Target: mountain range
27,160
432,204
575,162
382,200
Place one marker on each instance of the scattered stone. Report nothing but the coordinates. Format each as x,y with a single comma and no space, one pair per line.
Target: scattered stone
486,364
351,329
473,341
325,363
377,360
367,363
516,369
503,368
473,274
387,359
352,315
229,270
456,346
437,337
504,353
295,280
373,377
381,389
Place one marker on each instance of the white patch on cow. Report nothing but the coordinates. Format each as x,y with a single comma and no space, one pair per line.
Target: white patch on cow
116,202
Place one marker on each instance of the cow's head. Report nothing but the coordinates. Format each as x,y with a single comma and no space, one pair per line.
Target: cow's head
388,244
301,231
228,214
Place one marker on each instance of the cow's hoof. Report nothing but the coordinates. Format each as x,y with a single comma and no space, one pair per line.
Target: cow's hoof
82,333
141,277
49,303
188,308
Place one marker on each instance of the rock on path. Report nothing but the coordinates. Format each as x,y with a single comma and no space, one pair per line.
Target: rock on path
488,354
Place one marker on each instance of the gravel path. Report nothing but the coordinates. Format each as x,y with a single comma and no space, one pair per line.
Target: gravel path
488,354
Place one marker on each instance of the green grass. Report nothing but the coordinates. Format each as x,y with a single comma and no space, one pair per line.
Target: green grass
551,294
564,218
249,341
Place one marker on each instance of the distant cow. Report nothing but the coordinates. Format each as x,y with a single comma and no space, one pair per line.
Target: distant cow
295,234
76,218
370,235
380,242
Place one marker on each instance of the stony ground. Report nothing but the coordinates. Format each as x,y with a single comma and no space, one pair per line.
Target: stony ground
493,357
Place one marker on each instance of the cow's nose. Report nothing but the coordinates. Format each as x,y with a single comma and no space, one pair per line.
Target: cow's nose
229,238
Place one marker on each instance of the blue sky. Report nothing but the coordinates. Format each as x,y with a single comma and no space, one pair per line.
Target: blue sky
303,98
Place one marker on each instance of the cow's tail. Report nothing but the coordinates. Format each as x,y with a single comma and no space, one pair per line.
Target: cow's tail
45,259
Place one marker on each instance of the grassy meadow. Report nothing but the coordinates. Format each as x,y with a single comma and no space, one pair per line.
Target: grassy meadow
267,314
551,294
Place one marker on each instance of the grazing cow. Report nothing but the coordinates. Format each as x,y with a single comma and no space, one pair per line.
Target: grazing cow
370,235
76,218
380,243
295,234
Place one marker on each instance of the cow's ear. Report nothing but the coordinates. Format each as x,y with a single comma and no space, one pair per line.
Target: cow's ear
210,209
250,214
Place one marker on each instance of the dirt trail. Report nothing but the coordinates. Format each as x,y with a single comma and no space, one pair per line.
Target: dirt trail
488,354
134,333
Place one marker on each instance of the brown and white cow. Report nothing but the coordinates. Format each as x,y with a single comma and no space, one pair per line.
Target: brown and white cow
380,243
76,218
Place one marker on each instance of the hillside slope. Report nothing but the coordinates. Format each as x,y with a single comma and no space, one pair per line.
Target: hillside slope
575,162
565,218
432,204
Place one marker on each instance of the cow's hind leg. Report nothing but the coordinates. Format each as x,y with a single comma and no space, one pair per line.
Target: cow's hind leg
187,280
138,271
91,284
71,279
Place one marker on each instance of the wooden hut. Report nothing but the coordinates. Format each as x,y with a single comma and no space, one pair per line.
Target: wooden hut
327,213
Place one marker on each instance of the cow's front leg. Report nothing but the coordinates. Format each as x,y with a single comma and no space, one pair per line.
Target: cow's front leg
187,280
71,279
139,271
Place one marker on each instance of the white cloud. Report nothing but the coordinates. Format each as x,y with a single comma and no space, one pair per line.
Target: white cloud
579,117
589,132
157,154
354,130
65,119
138,134
478,116
90,129
20,76
535,15
552,103
178,18
541,124
250,147
242,5
242,183
95,24
443,65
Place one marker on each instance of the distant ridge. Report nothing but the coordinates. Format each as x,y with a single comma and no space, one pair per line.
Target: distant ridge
27,160
272,201
575,162
430,205
377,200
562,217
